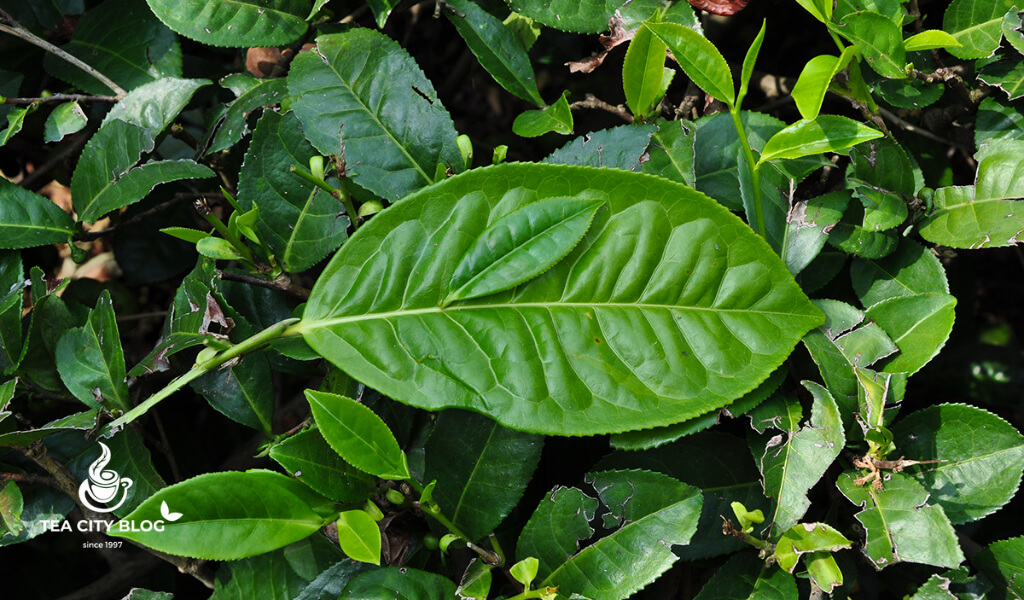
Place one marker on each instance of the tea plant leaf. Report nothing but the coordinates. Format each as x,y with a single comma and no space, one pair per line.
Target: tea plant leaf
716,146
900,526
892,9
382,10
556,118
357,435
1007,75
622,147
749,60
12,505
243,392
567,15
827,133
885,166
983,458
124,41
859,241
497,49
90,360
359,536
909,271
807,538
717,463
27,220
1003,563
396,131
299,222
66,119
880,41
930,39
791,470
251,93
265,576
556,528
15,121
308,457
643,71
521,245
919,325
394,582
222,519
806,224
745,577
812,85
976,24
239,24
819,9
671,153
153,106
699,59
107,179
577,351
78,421
650,513
481,469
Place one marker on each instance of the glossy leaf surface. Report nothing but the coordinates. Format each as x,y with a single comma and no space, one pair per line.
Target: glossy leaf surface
880,41
911,270
1003,563
66,119
308,457
394,582
826,133
239,24
745,577
243,392
251,93
395,130
556,118
582,349
221,521
569,15
699,59
671,153
643,71
919,325
359,536
91,362
358,435
28,219
976,24
266,576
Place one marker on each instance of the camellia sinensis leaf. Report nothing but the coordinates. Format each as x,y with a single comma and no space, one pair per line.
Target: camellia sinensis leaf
556,118
699,59
643,72
976,25
1003,563
880,41
569,15
66,119
220,520
358,435
911,270
251,93
237,24
359,536
806,538
744,576
308,457
90,360
669,308
826,133
399,582
623,147
28,219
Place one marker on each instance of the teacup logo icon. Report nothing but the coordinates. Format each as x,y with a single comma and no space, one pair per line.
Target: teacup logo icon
103,484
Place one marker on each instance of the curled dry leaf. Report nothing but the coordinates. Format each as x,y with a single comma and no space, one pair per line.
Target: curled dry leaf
720,7
617,34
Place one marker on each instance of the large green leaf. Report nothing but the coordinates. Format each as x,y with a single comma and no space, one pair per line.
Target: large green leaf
91,362
643,72
220,519
1003,563
395,130
880,41
649,513
826,133
391,583
251,93
497,49
28,219
124,41
901,526
358,435
300,222
669,308
481,469
790,470
569,15
745,577
267,576
107,178
699,59
237,24
977,25
982,458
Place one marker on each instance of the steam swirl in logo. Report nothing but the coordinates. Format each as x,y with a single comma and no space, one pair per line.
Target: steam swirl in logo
102,485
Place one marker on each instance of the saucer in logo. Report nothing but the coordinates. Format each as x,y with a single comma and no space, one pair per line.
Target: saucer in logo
103,484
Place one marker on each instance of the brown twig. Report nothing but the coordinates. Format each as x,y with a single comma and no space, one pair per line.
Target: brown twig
60,98
592,101
280,283
29,478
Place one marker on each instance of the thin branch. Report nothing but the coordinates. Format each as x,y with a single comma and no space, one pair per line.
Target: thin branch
9,25
61,98
29,478
280,283
178,198
592,101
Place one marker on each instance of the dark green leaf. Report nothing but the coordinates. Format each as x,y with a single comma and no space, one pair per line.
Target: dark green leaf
1003,563
589,323
556,528
128,457
239,24
124,41
643,72
243,392
251,93
699,59
329,583
308,457
91,362
359,536
983,458
716,146
358,435
913,94
396,131
66,119
996,120
556,118
569,15
497,49
390,583
621,147
911,270
481,469
267,576
42,506
976,24
745,577
826,133
671,153
792,469
1007,75
155,105
806,229
81,421
884,165
300,222
880,41
12,279
28,219
900,526
220,521
919,325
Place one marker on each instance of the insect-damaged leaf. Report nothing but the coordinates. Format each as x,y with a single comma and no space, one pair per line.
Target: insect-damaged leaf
670,307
